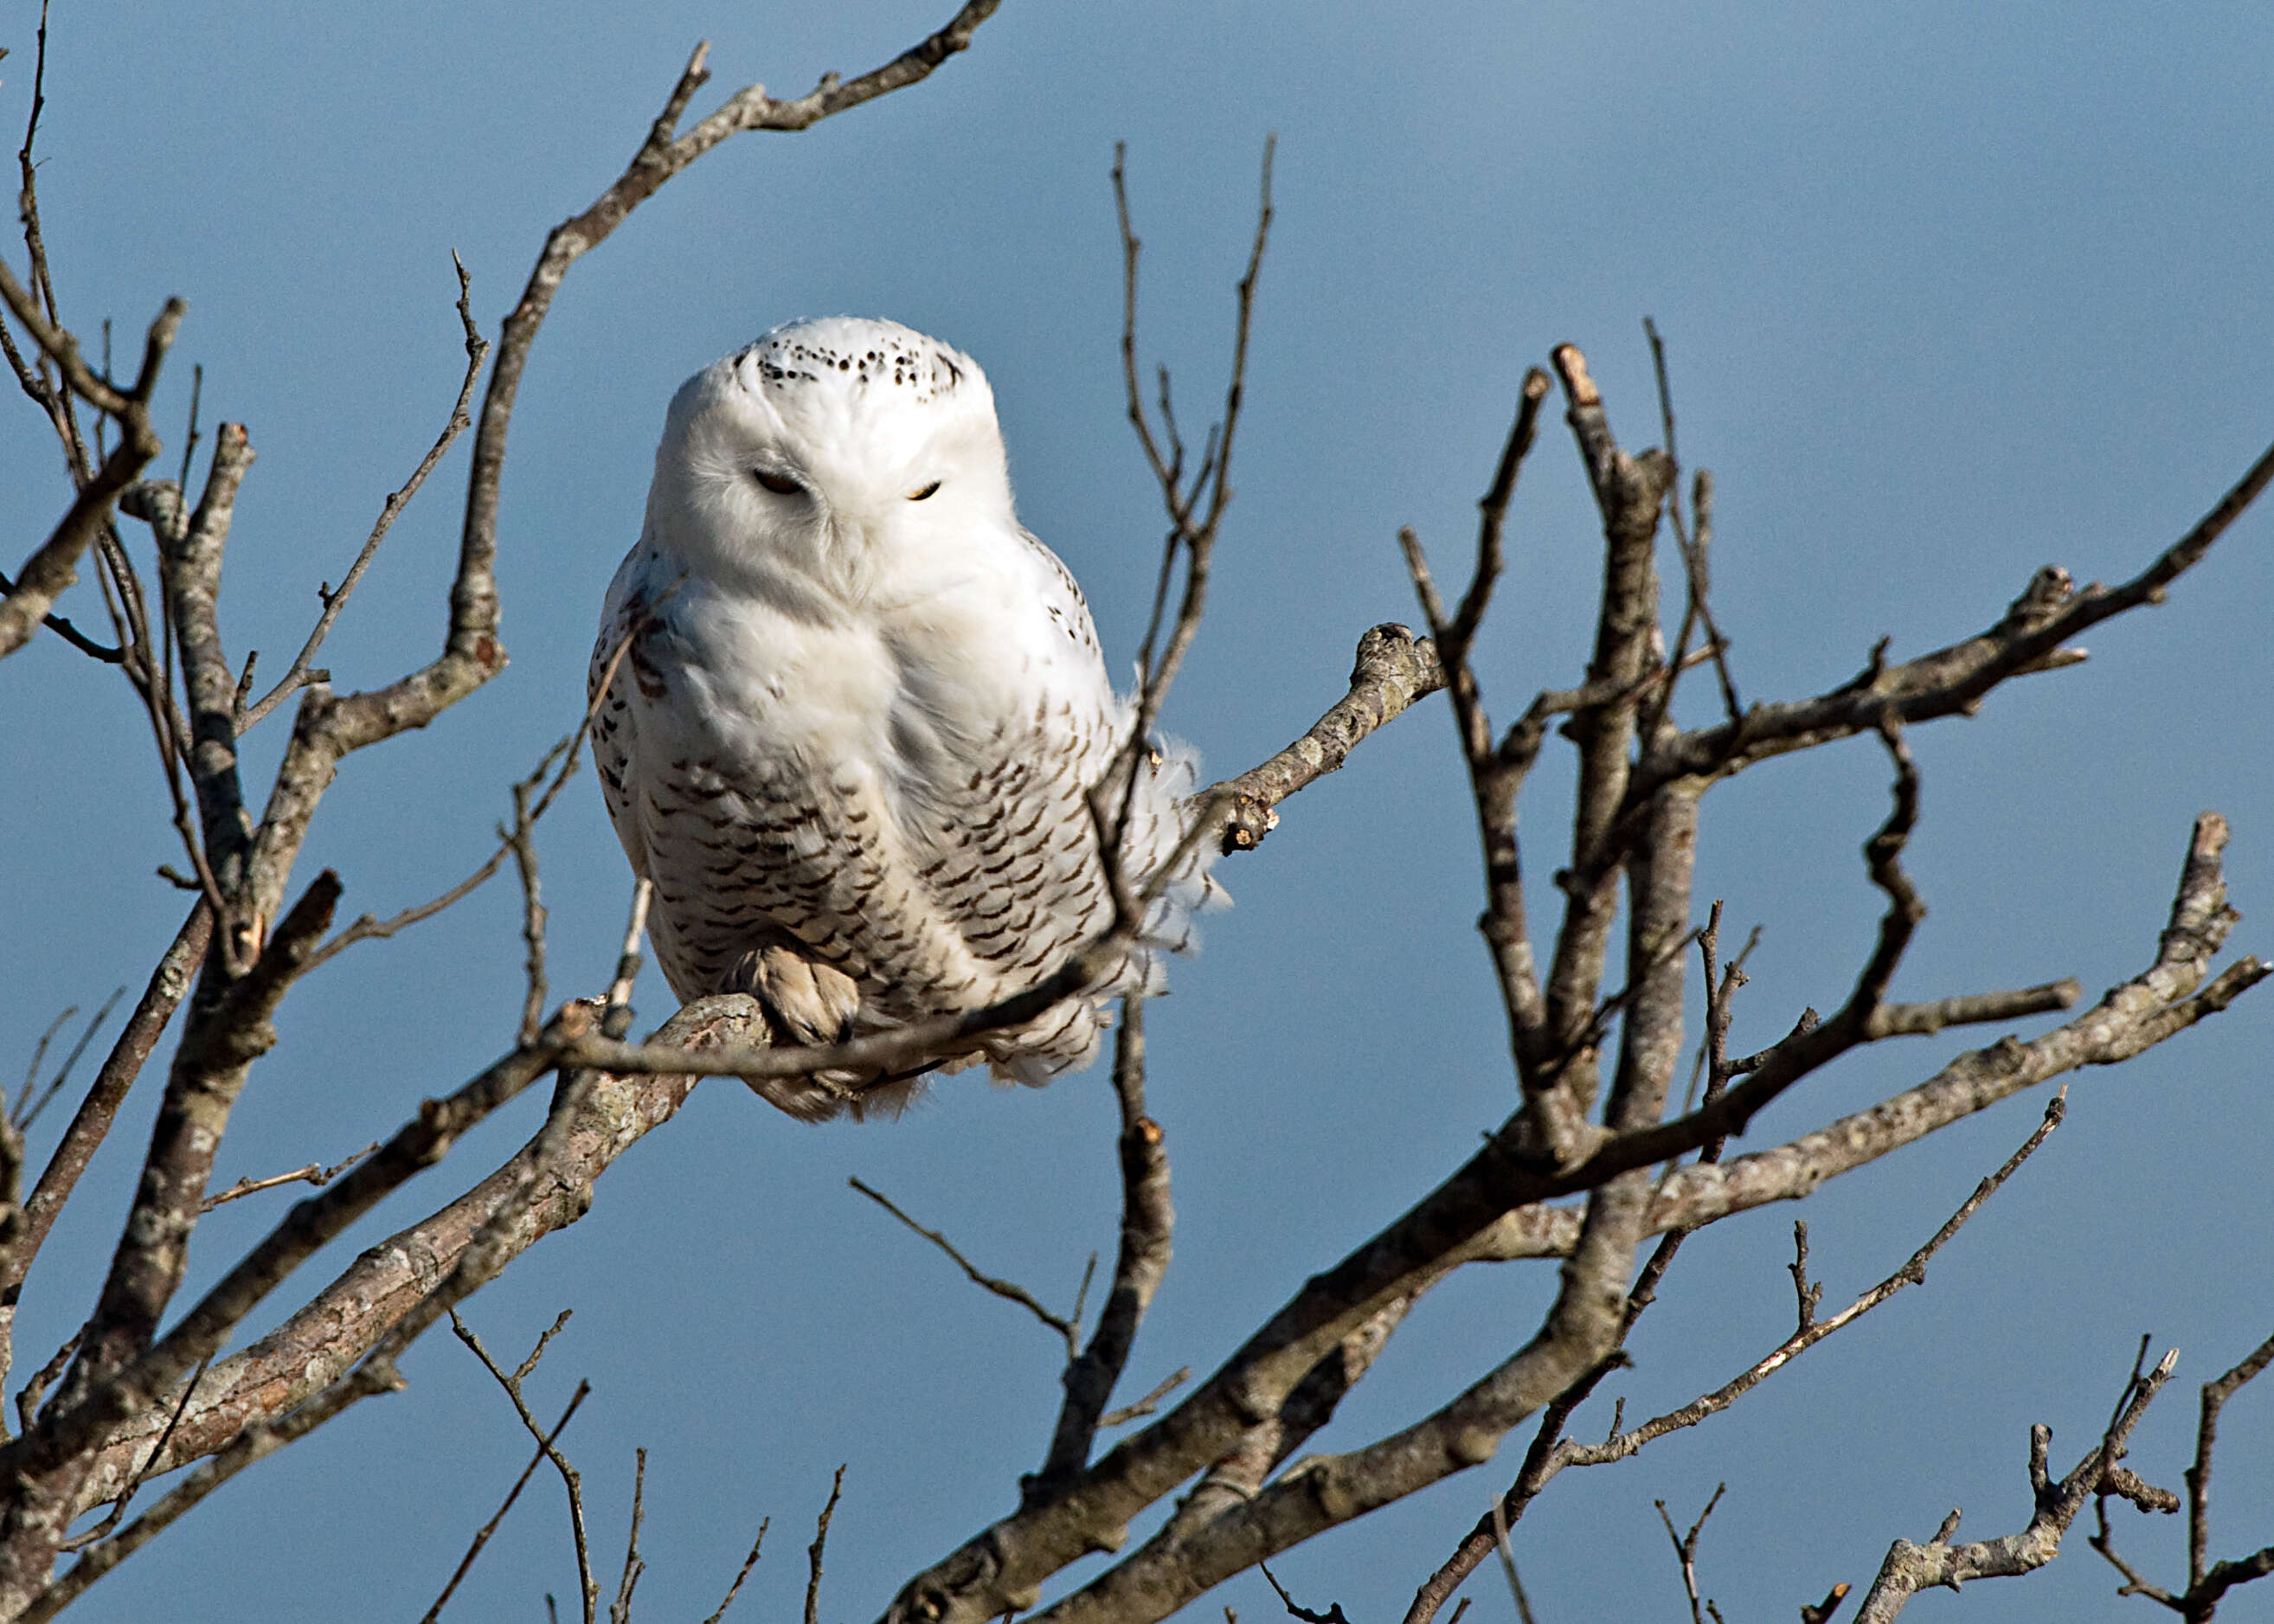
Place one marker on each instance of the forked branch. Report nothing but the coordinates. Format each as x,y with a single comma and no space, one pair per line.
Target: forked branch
54,565
1910,1569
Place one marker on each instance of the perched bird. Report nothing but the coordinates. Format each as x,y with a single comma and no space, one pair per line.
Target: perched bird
853,713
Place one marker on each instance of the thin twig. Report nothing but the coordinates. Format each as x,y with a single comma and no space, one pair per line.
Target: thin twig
27,1400
1508,1566
315,1173
369,928
1334,1614
1010,1291
748,1562
301,672
521,837
482,1535
79,1542
1698,609
570,1479
191,436
616,1015
813,1552
1195,508
1685,1548
1150,1403
39,1058
1081,1292
620,1611
1809,1329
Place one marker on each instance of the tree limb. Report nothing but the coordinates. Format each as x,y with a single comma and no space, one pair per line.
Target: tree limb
1910,1569
55,565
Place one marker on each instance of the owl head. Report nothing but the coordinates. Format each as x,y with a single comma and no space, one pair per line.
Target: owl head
844,451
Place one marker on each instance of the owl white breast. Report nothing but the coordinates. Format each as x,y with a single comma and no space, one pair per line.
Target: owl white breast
857,708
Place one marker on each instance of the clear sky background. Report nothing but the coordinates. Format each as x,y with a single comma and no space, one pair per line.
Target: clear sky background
1951,292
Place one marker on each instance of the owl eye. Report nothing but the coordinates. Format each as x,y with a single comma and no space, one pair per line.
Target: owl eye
926,494
780,484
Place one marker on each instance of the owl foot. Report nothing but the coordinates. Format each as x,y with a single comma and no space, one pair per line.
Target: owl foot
806,1004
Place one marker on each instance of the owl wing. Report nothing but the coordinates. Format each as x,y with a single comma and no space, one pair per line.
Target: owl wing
993,804
621,664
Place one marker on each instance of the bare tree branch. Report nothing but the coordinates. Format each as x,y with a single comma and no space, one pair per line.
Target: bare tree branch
546,1450
748,1562
301,672
1148,1223
1685,1548
2208,1581
1393,671
1551,1452
1069,1330
1950,680
339,1324
619,1612
1496,776
813,1552
27,1109
315,1174
1628,492
1910,1569
191,574
54,565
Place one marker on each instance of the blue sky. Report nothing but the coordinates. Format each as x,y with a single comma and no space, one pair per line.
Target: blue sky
1950,293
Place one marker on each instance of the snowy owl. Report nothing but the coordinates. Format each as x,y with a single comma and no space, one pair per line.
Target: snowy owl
858,711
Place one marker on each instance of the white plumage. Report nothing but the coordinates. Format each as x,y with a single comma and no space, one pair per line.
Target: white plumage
858,711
